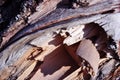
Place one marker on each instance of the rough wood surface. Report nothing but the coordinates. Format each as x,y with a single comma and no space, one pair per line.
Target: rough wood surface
62,15
43,44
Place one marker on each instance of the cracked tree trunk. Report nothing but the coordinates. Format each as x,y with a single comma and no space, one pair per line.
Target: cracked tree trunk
54,40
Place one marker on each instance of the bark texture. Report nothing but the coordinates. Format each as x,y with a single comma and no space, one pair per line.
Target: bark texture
59,40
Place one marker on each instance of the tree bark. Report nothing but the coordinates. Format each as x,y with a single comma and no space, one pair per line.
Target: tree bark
49,39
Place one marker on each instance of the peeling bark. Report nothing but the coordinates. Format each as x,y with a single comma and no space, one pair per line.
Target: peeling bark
51,40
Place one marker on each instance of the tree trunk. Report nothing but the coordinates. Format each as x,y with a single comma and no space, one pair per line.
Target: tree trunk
59,40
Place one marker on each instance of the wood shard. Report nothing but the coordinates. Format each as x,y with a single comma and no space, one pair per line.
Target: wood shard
75,35
87,51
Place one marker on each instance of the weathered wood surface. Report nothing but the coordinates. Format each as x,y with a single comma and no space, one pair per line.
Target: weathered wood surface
43,9
29,48
60,15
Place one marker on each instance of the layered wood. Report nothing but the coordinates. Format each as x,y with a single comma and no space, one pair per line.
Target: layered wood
53,41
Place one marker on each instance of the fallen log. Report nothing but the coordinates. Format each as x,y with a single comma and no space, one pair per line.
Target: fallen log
50,45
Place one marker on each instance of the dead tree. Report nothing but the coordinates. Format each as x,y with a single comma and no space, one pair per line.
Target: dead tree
59,40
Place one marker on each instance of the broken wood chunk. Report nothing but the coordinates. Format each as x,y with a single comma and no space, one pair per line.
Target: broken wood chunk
87,51
59,40
75,36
